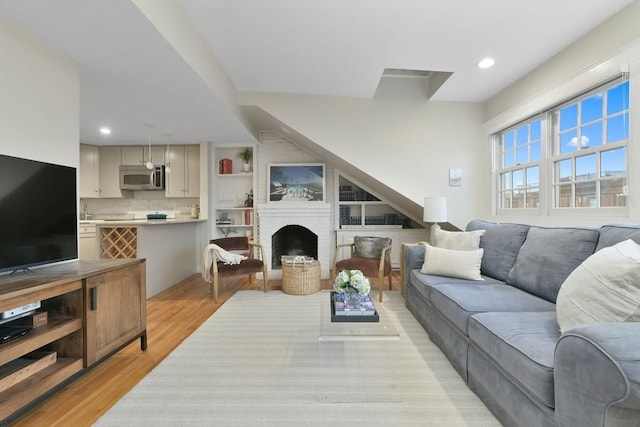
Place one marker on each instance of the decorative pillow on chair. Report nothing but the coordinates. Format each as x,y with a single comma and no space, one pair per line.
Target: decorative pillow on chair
370,247
604,288
457,240
452,263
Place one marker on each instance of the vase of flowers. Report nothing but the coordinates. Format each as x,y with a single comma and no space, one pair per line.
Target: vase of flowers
353,284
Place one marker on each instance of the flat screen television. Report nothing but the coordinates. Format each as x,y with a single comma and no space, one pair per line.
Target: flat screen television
38,213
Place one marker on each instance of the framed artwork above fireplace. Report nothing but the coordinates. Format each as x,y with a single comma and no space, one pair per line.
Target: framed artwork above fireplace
296,182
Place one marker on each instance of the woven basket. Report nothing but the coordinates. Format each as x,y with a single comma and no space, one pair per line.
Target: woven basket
301,279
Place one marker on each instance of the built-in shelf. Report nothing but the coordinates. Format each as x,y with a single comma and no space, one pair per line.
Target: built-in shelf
230,175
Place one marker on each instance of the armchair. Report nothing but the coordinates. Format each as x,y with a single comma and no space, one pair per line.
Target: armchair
371,255
251,265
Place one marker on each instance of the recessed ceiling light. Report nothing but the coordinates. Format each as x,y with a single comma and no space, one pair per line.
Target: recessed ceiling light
486,63
105,131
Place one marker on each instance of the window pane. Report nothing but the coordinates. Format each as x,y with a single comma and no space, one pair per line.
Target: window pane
533,197
505,181
618,98
535,152
506,200
518,178
611,192
613,162
586,167
533,176
564,196
569,117
535,130
592,135
508,160
618,128
591,109
563,170
586,194
508,140
523,135
518,199
522,155
568,141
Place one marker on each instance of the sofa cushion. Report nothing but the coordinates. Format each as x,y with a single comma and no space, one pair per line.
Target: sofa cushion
457,240
548,256
523,346
425,282
604,288
501,243
616,233
463,264
457,302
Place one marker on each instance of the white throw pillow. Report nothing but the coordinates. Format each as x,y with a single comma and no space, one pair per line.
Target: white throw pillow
452,263
604,288
458,240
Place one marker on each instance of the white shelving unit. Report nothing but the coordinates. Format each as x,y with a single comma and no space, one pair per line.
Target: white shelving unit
232,215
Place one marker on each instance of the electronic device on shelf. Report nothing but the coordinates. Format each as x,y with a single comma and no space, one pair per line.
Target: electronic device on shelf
9,332
19,311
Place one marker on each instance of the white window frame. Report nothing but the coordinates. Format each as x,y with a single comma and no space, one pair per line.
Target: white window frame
547,185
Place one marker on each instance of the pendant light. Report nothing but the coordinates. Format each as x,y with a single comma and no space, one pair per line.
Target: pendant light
167,168
149,161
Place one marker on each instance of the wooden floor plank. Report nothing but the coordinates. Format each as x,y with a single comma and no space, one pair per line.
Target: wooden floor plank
172,316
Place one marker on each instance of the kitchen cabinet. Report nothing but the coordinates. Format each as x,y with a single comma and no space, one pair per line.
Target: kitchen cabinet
184,178
88,245
93,309
89,172
110,161
123,292
234,207
139,155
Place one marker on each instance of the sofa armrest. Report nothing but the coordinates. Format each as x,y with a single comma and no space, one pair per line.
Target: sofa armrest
597,375
412,258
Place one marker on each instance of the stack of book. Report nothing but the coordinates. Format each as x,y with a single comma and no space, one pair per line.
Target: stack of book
364,307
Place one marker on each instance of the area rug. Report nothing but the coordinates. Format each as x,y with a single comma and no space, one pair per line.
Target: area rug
257,361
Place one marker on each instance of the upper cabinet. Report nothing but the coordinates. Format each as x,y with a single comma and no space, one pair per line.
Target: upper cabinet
99,171
183,177
89,172
139,155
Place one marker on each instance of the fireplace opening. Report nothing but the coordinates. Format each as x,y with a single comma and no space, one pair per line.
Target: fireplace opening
293,240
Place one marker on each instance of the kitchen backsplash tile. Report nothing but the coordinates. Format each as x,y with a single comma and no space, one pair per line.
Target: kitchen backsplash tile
143,201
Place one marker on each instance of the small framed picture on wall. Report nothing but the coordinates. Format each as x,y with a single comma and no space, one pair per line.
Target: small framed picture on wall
455,177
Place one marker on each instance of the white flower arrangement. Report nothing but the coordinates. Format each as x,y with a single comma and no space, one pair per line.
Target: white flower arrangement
353,279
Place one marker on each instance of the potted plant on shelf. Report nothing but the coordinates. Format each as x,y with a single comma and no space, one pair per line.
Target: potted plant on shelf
246,154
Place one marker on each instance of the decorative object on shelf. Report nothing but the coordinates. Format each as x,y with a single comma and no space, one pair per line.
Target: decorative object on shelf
194,211
226,166
303,182
246,154
248,203
353,284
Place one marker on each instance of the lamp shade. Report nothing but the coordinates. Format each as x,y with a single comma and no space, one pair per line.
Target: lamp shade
435,209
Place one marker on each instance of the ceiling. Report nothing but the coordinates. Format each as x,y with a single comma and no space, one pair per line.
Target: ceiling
132,79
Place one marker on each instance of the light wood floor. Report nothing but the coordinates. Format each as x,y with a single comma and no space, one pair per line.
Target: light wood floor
172,316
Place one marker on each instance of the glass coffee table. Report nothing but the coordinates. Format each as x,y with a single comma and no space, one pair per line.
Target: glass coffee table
354,331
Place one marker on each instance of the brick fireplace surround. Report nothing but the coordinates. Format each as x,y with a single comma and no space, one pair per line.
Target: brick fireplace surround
316,216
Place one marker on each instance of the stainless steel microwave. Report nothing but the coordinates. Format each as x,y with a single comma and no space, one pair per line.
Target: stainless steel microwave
138,177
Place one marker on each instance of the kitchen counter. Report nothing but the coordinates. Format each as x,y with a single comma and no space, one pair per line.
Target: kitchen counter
172,247
138,222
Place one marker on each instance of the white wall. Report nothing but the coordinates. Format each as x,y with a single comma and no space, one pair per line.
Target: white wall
39,100
408,144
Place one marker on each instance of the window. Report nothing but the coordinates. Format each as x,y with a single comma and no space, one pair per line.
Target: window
520,154
583,159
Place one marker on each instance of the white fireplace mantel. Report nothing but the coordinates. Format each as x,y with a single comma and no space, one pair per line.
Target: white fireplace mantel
316,216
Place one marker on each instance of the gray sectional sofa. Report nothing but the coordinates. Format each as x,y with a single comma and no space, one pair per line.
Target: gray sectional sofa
502,335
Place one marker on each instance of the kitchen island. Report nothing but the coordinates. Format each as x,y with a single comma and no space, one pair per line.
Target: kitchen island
172,247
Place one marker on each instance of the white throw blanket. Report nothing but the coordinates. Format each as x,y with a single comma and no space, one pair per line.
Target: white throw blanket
212,253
